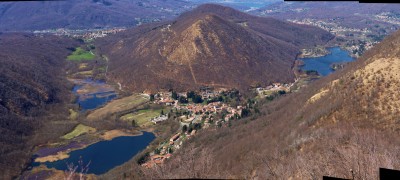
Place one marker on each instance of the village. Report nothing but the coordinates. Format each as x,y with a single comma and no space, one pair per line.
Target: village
331,27
389,17
207,109
87,34
359,40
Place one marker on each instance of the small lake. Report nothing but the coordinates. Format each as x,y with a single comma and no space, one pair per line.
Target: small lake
322,64
96,93
105,155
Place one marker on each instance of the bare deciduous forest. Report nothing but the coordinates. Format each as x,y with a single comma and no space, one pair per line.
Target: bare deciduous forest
33,92
212,45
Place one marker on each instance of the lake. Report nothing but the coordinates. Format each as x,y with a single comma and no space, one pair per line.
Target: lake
322,64
105,155
92,94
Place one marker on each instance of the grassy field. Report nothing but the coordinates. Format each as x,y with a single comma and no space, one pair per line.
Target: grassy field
83,65
118,105
73,114
81,54
142,117
86,73
102,69
79,130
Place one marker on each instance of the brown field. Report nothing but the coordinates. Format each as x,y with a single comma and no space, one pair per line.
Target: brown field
118,105
91,87
52,158
117,133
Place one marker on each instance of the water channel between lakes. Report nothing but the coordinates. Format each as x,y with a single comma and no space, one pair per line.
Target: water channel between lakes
104,155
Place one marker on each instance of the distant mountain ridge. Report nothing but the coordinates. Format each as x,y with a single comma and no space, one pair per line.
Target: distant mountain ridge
212,45
83,14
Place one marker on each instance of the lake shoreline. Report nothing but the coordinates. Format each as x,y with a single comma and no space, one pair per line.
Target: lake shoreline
103,136
89,151
314,52
323,64
92,138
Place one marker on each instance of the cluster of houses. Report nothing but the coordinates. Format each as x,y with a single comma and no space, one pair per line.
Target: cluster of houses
165,98
197,113
197,110
388,17
155,160
165,152
274,88
100,33
81,33
211,108
205,113
159,118
331,27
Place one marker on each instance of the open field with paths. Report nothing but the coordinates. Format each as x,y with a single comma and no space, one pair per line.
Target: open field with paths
118,105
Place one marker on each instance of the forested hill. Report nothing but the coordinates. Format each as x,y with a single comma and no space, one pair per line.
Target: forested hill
84,14
211,45
32,83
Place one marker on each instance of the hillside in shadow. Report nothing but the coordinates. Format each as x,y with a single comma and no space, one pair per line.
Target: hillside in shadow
32,88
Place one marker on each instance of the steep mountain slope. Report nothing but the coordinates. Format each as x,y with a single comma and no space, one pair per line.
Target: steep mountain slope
209,46
345,125
81,14
32,84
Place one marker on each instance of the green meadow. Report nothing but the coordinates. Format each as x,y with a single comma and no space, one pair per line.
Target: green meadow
79,130
80,54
